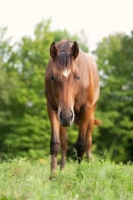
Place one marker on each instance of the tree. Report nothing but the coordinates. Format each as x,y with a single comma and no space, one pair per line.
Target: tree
114,58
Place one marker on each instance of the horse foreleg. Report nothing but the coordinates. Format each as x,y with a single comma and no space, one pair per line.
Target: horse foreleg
89,135
64,146
89,139
54,150
55,141
81,140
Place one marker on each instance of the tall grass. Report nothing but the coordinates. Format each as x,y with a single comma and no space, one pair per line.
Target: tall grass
96,180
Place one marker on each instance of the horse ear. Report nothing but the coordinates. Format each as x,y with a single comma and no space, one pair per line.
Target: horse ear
75,50
53,50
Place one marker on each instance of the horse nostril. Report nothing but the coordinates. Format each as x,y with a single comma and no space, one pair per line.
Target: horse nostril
71,115
61,114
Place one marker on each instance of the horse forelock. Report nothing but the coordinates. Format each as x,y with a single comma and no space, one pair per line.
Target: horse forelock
63,64
63,60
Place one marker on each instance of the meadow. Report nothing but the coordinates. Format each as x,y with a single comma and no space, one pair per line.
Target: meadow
22,179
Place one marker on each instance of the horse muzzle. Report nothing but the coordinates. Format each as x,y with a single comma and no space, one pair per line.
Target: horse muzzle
66,118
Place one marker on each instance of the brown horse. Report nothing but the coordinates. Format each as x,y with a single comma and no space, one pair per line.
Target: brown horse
72,90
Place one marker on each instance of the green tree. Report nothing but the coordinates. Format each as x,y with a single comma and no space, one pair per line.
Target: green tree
80,38
8,88
115,108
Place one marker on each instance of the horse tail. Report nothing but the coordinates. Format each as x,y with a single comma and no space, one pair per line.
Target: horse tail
97,122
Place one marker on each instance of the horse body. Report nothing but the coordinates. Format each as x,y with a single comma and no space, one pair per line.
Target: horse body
72,90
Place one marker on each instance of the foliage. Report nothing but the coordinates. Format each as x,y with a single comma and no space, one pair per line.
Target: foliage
99,180
115,63
80,37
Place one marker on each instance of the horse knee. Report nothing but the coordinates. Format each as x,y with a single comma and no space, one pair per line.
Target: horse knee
54,148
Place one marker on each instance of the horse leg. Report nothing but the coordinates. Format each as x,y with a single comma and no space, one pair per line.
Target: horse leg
55,141
81,140
89,136
64,146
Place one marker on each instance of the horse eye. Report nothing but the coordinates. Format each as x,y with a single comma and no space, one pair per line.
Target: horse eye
78,77
52,78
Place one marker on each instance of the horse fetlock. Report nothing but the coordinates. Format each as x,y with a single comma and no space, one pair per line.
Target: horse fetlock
80,149
62,165
80,146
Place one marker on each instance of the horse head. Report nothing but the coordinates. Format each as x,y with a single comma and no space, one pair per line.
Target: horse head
65,78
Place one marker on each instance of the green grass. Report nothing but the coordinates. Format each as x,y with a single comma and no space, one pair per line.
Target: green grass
96,180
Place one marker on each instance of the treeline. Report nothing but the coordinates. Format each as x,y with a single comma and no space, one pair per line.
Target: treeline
24,124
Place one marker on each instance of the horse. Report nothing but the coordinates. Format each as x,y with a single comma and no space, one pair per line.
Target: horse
72,89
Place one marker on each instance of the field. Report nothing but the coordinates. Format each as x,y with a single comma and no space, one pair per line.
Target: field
21,179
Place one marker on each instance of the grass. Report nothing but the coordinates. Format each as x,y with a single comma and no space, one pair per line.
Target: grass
96,180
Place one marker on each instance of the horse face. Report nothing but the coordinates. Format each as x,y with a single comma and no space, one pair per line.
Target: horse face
65,77
65,88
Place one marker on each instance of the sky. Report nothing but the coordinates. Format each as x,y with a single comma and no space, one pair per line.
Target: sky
98,18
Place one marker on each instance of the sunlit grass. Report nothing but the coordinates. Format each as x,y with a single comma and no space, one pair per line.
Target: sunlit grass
96,180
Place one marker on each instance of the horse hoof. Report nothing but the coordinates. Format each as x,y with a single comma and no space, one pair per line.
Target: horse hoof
51,178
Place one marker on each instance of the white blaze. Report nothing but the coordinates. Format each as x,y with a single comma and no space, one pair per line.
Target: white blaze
66,73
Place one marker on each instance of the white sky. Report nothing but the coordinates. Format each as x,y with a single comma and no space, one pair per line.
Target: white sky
98,18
